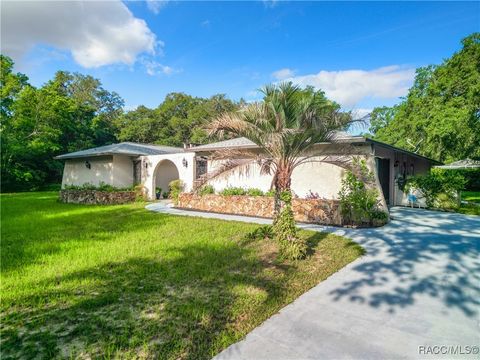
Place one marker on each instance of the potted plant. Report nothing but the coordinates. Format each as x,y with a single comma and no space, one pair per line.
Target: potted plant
158,193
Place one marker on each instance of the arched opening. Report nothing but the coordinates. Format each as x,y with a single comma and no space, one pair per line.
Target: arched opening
165,172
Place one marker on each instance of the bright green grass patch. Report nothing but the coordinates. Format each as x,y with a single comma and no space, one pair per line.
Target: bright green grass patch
123,282
473,196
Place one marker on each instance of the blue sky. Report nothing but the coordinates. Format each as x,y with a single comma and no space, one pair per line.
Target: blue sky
363,54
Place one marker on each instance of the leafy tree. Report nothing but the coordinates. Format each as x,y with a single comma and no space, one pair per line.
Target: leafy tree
440,117
10,85
179,119
141,125
285,125
381,117
69,113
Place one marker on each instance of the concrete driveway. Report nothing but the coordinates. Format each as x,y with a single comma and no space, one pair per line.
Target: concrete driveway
418,287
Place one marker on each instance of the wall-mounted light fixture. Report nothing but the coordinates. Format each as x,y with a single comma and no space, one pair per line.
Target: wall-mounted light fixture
185,162
87,164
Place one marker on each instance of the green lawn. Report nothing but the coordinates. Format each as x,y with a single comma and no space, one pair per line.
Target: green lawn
472,197
122,282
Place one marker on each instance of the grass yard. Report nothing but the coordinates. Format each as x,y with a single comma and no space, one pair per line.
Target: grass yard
473,197
123,282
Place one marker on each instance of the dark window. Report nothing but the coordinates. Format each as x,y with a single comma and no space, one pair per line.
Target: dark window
137,172
201,167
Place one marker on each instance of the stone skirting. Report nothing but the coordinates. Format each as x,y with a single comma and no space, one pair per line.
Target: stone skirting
316,211
97,197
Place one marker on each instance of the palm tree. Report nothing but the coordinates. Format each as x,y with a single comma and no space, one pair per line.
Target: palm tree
285,125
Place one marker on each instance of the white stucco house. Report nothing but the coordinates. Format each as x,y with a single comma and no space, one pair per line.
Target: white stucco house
153,166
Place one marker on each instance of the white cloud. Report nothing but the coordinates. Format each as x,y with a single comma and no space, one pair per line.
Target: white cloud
349,87
155,68
156,5
205,23
283,74
95,33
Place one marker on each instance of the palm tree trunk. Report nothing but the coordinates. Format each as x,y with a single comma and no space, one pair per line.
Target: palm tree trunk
282,181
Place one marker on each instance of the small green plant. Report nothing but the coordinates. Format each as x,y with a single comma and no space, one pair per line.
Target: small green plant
230,191
359,202
107,187
158,192
140,193
100,187
176,187
206,190
291,246
260,233
254,192
165,195
270,193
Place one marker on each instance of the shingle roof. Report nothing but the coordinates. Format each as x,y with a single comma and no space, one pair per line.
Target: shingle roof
242,142
124,148
462,164
232,143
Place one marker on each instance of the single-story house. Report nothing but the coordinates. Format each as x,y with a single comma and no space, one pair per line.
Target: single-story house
154,166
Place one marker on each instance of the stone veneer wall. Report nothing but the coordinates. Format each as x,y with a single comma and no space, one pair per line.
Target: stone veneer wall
316,211
97,197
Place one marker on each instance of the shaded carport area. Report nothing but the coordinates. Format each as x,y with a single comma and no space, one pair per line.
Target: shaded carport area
417,287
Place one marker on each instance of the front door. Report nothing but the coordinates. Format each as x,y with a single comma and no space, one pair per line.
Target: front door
383,171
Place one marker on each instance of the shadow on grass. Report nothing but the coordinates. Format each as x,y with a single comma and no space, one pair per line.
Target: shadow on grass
184,307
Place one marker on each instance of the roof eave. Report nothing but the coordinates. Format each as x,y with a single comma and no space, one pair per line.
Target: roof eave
67,157
402,150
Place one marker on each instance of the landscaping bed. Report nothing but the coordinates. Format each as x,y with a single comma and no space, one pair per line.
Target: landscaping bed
318,211
123,282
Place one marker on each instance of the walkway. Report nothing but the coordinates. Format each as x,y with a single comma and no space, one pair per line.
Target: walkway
418,285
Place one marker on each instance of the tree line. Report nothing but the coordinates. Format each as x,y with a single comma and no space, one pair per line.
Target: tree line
72,112
439,118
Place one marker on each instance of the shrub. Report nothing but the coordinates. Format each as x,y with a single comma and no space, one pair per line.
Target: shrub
140,192
207,190
176,187
229,191
359,203
100,187
255,192
260,233
291,246
270,193
440,188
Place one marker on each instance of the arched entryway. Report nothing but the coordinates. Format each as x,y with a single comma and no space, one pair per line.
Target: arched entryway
165,172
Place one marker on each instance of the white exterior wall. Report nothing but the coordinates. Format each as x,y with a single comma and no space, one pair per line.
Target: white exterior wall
122,171
247,176
112,170
150,175
76,173
318,177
